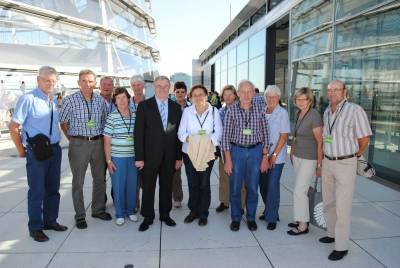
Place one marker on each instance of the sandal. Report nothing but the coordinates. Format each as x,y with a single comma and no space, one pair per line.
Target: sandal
298,231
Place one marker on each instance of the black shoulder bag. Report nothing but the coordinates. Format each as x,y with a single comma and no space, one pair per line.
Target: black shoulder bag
217,148
40,143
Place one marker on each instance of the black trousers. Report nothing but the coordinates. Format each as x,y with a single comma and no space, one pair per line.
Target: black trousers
199,187
165,172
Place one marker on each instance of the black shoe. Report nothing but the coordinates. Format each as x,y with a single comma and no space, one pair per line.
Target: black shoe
271,226
221,207
145,225
56,227
235,226
168,221
39,236
293,224
337,255
190,218
103,216
81,224
262,217
203,221
252,225
297,232
327,240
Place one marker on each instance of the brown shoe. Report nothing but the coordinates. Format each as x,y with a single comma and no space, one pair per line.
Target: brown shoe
56,227
39,236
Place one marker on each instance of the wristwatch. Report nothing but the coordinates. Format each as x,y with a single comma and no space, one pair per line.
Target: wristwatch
275,154
109,161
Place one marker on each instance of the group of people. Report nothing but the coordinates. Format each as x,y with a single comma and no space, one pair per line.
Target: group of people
139,140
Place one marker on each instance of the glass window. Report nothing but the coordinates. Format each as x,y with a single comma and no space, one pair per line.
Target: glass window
232,57
218,66
83,9
243,52
373,30
351,7
372,77
315,15
256,72
224,80
314,73
273,3
217,85
224,62
257,44
232,76
315,44
242,71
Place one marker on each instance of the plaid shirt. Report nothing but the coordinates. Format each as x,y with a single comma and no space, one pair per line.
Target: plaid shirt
76,112
236,120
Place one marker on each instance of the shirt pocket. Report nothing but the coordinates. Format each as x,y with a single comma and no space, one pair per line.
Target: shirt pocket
348,131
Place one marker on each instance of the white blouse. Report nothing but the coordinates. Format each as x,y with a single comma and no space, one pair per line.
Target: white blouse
194,124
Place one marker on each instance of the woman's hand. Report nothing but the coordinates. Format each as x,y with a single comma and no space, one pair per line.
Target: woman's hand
318,172
111,167
139,164
272,161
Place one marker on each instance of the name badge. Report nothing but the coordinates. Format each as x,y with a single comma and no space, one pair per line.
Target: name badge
130,138
90,124
201,132
247,132
328,139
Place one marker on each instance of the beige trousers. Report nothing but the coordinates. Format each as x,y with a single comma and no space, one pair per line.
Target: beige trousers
224,186
338,178
304,170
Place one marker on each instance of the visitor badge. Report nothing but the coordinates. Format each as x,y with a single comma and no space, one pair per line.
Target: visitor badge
328,139
90,124
130,138
247,132
201,132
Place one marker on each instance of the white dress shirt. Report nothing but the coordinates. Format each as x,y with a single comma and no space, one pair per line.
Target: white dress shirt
191,125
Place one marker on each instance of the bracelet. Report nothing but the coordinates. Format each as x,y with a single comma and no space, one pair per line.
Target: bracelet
267,154
109,161
275,154
319,166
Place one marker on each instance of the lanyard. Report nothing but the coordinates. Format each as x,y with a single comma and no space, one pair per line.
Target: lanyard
130,121
296,127
334,121
246,122
87,106
205,118
134,103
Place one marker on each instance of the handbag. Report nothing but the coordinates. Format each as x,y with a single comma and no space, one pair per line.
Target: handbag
40,143
217,148
364,168
316,206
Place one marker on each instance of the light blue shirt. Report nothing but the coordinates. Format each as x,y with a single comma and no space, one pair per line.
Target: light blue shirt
159,102
33,113
278,123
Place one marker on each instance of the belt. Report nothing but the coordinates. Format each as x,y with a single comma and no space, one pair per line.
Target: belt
246,146
340,157
88,138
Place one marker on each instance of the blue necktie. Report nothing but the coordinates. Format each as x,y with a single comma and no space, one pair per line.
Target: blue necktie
163,113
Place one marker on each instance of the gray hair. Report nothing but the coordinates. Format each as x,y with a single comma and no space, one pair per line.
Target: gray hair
245,82
272,89
138,78
162,77
47,70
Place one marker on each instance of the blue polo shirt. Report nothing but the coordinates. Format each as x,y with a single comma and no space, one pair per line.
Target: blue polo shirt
33,113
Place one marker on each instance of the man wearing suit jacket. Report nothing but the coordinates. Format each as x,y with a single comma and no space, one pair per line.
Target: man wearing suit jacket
158,150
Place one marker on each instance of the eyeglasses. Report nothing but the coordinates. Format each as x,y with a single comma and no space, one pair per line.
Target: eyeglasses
302,99
334,90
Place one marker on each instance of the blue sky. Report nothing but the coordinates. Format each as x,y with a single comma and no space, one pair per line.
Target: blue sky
186,27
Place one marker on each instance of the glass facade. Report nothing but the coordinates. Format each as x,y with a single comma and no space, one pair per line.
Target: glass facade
354,41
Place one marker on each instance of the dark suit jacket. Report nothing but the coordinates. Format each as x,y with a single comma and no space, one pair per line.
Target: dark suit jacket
151,141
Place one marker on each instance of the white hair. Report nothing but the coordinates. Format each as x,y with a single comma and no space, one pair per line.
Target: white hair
245,82
47,70
272,89
138,78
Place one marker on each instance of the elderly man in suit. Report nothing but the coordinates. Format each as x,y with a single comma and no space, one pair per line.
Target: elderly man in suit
158,150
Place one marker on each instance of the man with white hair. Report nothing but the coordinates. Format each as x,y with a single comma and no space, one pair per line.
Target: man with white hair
37,113
245,142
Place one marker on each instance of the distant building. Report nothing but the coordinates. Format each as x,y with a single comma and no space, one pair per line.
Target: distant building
182,77
196,72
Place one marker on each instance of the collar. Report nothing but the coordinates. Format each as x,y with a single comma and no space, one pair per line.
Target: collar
39,93
338,107
160,101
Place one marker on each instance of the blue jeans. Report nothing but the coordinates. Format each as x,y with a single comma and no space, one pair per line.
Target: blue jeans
199,187
246,166
44,184
124,181
270,192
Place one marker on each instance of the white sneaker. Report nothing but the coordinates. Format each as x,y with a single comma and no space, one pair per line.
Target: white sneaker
119,221
133,218
177,204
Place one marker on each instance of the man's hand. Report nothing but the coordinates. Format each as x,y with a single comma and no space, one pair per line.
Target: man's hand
139,164
22,152
228,166
264,164
178,164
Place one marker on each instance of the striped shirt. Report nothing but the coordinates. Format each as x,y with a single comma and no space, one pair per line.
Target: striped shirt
346,125
77,112
237,121
121,132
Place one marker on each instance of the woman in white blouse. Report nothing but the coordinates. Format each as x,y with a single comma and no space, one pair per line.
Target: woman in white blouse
200,131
